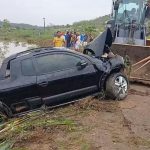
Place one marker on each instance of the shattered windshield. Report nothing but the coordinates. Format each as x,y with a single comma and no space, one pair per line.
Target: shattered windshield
130,11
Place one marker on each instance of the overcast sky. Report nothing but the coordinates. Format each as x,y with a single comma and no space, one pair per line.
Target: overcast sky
55,11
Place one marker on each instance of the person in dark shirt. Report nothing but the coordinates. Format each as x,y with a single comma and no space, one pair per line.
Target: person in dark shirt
68,39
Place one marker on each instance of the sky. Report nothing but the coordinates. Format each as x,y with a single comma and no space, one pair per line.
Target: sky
57,12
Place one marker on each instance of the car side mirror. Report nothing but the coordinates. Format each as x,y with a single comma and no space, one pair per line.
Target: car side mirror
82,64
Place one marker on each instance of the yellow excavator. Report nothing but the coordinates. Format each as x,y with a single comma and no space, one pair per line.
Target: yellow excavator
128,26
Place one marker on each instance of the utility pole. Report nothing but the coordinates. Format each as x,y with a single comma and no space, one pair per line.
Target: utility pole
44,24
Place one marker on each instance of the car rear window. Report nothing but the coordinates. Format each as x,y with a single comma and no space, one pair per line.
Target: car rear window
27,67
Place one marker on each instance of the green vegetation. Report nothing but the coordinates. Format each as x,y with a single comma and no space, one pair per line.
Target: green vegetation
17,129
33,34
95,26
22,34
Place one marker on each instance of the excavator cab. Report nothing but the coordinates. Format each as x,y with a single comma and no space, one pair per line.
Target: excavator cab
128,21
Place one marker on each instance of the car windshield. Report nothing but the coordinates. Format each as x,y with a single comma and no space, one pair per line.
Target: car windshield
130,10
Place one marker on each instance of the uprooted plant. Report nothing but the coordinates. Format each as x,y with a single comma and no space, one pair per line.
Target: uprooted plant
18,128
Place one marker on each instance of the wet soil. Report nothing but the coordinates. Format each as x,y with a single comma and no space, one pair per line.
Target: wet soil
99,125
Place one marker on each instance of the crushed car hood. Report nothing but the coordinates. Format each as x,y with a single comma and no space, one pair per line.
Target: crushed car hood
99,45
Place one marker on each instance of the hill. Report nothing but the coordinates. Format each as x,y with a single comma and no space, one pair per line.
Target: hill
96,23
21,25
27,32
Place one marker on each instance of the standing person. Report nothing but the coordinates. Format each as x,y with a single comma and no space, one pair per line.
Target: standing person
68,39
82,39
85,40
90,38
58,41
73,39
63,36
78,43
133,15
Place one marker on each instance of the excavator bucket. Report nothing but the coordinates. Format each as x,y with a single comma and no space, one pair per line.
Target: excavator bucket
128,26
139,57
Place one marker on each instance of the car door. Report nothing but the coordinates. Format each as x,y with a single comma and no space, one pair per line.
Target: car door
20,92
63,75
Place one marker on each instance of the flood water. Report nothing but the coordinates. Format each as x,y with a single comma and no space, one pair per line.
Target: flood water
10,48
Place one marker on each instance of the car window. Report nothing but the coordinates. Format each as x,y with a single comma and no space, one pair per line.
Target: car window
27,67
7,73
56,62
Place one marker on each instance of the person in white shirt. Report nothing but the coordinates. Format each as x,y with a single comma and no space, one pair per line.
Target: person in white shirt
78,43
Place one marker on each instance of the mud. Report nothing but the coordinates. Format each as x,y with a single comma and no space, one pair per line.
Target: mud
99,125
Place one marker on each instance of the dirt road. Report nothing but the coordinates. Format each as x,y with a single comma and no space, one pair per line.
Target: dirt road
98,125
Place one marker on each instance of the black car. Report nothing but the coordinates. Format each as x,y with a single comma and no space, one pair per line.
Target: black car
54,76
51,76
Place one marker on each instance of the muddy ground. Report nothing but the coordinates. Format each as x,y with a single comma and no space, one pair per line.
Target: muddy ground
97,125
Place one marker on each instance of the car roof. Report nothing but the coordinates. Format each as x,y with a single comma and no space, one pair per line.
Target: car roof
38,51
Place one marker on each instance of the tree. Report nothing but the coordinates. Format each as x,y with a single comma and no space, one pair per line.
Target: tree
90,29
6,24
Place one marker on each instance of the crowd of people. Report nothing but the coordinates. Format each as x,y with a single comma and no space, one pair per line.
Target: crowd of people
71,40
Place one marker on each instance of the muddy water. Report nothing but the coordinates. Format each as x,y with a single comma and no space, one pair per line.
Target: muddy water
10,48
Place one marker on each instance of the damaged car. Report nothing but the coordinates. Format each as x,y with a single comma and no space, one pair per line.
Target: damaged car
56,76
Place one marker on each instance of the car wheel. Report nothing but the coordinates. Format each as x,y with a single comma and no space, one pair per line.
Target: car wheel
5,112
117,86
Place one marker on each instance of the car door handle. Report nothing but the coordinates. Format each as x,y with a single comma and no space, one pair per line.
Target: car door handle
43,84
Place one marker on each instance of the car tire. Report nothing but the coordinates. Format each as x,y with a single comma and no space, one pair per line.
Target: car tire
117,86
5,113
